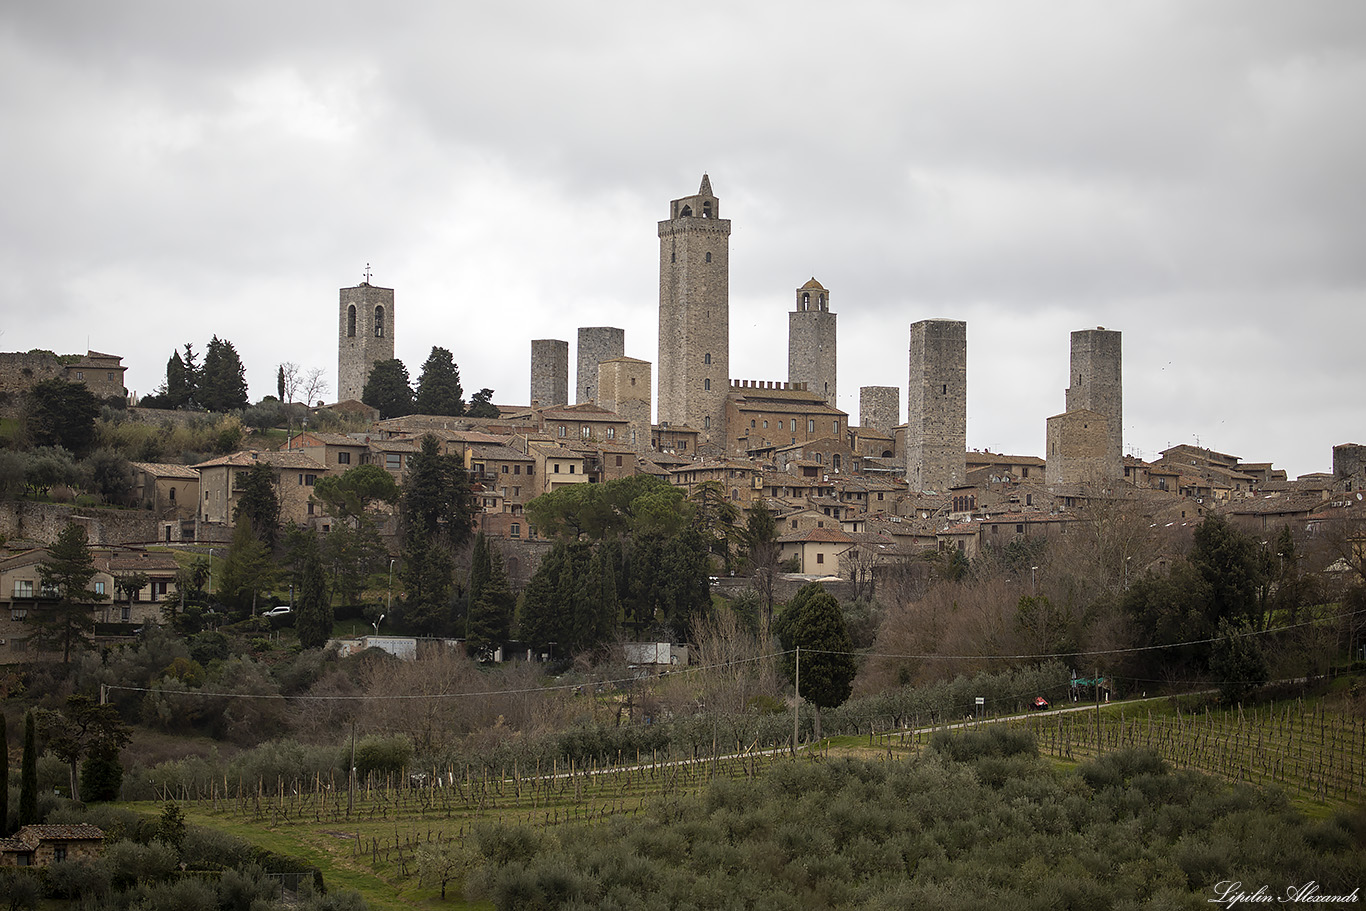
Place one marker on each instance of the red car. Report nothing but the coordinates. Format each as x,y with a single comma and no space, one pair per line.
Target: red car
1040,704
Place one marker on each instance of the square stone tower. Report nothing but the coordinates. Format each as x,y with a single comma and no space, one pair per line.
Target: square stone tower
937,405
549,371
1097,384
596,344
624,387
364,338
694,315
879,408
811,341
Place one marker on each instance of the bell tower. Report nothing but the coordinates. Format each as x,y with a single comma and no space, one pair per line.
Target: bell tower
694,314
365,335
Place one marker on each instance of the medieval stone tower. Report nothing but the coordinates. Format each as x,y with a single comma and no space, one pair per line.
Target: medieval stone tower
937,405
879,408
596,344
1097,384
811,341
694,314
624,387
364,338
549,371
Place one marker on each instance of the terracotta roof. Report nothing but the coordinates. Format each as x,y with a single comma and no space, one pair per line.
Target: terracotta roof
818,536
70,832
167,470
812,285
276,458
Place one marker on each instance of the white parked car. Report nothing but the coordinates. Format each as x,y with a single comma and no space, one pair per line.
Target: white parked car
277,611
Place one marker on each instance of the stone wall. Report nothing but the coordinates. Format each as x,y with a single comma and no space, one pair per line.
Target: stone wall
1349,461
879,408
937,405
549,371
25,520
785,586
596,344
1078,449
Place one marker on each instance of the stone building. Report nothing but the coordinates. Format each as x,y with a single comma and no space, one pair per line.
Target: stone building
549,371
694,314
1349,463
879,408
811,341
596,344
937,405
20,371
43,846
1097,384
764,415
365,336
1078,448
624,387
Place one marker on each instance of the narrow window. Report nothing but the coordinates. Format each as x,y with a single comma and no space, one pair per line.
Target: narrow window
708,257
172,495
706,385
706,358
379,322
351,321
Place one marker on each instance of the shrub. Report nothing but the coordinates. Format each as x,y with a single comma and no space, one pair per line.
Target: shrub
996,740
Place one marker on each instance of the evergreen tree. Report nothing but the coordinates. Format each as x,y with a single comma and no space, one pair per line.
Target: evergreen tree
68,571
4,778
389,390
1227,560
761,540
490,622
435,512
280,382
438,387
248,572
58,413
814,623
179,386
87,728
314,623
223,380
480,567
28,774
193,374
481,405
258,503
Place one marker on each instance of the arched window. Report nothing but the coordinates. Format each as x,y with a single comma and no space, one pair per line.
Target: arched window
706,358
708,257
706,209
379,322
686,213
706,385
351,321
806,299
172,495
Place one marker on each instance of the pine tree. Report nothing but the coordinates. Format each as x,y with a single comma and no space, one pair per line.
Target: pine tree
814,623
314,623
223,381
389,390
490,620
258,503
28,774
438,388
68,571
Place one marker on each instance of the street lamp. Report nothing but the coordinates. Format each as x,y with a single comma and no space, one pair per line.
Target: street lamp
390,605
1033,583
378,622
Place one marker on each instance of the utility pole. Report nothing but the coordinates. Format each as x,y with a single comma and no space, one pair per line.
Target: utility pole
797,701
351,773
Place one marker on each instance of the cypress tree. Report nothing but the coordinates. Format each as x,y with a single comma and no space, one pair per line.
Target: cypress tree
4,778
28,774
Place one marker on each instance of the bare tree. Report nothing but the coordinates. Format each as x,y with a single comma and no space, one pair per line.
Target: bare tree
314,386
289,381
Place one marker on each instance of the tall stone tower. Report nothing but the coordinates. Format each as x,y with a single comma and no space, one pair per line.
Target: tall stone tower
624,387
596,344
365,336
549,371
879,408
694,314
937,405
811,341
1097,384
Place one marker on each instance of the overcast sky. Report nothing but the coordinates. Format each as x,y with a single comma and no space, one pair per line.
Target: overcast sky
1191,173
